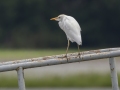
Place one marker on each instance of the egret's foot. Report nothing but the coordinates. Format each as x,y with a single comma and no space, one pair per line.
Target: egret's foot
66,57
79,54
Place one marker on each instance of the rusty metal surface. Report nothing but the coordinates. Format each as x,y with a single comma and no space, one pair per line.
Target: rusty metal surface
58,56
58,59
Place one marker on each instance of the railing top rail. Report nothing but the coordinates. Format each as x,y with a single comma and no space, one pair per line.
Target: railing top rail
57,56
59,59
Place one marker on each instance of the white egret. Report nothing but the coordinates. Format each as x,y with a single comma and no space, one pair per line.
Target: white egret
71,28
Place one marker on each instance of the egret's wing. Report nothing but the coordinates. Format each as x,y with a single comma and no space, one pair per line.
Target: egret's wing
72,23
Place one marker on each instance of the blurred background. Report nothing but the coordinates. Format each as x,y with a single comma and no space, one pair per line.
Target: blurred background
26,32
26,23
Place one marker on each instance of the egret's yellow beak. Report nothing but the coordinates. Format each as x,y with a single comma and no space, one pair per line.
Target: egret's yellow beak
53,18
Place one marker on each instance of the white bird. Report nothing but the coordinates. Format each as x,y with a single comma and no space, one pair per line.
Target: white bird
71,28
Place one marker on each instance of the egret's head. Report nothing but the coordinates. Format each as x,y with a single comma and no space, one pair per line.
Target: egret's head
58,18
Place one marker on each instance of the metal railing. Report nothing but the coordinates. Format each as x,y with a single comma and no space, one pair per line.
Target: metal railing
20,65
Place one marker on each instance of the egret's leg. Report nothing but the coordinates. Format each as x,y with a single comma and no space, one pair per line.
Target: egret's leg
79,51
67,47
67,50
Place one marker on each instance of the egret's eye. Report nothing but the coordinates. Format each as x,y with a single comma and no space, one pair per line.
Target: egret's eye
59,17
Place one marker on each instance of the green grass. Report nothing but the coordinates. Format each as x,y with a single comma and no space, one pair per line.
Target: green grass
79,80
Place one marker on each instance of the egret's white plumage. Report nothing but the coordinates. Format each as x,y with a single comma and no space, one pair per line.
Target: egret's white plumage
71,28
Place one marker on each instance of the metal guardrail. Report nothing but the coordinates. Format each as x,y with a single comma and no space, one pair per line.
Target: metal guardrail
20,65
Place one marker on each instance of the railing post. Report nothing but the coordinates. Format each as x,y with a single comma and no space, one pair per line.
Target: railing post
21,82
113,74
